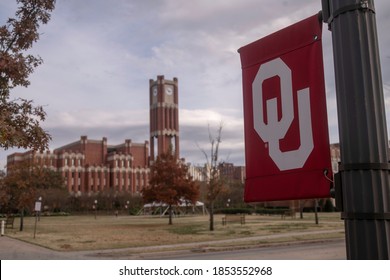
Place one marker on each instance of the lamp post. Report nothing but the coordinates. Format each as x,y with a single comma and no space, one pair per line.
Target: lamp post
127,207
363,187
95,207
38,205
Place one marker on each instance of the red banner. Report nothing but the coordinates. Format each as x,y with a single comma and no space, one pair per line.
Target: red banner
287,149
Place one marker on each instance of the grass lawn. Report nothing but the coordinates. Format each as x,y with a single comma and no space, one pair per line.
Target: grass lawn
73,233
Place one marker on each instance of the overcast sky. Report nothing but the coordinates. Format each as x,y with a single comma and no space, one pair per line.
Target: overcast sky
100,54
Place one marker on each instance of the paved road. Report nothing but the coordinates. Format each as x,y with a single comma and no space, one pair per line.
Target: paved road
326,250
13,249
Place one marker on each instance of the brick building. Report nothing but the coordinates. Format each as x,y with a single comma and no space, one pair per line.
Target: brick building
93,165
164,117
90,166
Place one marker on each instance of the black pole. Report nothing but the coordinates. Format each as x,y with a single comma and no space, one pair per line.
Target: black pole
364,168
316,211
35,225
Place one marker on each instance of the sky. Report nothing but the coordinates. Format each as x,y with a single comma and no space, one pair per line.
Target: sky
100,54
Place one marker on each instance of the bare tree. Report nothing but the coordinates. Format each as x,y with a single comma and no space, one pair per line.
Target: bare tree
215,184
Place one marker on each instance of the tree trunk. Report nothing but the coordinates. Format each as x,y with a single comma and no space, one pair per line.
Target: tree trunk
315,210
170,215
21,219
211,216
300,210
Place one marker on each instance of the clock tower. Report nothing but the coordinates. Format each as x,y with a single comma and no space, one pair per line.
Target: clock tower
164,116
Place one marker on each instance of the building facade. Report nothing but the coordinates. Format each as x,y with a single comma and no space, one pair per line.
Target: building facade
232,173
90,166
335,156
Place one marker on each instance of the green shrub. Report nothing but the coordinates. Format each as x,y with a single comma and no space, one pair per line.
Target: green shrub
271,211
235,211
55,214
328,207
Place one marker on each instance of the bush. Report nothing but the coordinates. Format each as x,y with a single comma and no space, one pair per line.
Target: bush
134,211
235,211
271,211
328,207
56,214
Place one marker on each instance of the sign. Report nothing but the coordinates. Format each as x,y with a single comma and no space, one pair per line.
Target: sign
38,206
287,149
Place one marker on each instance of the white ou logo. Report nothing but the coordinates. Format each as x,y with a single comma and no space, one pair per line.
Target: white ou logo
275,129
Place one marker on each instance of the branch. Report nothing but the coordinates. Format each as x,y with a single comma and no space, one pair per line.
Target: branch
203,151
13,22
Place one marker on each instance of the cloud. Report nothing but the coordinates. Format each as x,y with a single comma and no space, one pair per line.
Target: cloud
98,118
99,56
195,126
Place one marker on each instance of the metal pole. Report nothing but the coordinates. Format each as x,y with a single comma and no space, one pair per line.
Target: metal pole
364,168
95,208
35,226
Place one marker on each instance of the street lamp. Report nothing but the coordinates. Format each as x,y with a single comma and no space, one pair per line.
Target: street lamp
228,203
38,206
95,207
127,207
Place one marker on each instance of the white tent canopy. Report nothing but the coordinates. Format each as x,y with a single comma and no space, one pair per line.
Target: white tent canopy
183,207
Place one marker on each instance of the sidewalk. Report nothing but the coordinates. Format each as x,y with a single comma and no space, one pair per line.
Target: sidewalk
13,249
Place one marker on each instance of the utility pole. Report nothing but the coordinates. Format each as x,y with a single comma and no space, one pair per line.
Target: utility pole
364,168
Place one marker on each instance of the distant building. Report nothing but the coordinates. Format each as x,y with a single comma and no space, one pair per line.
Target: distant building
228,171
196,172
232,173
93,165
335,156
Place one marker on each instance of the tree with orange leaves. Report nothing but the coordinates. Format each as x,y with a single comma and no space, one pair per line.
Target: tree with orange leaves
170,183
22,184
19,118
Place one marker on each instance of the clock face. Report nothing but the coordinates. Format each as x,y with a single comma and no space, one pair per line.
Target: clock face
169,90
154,91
